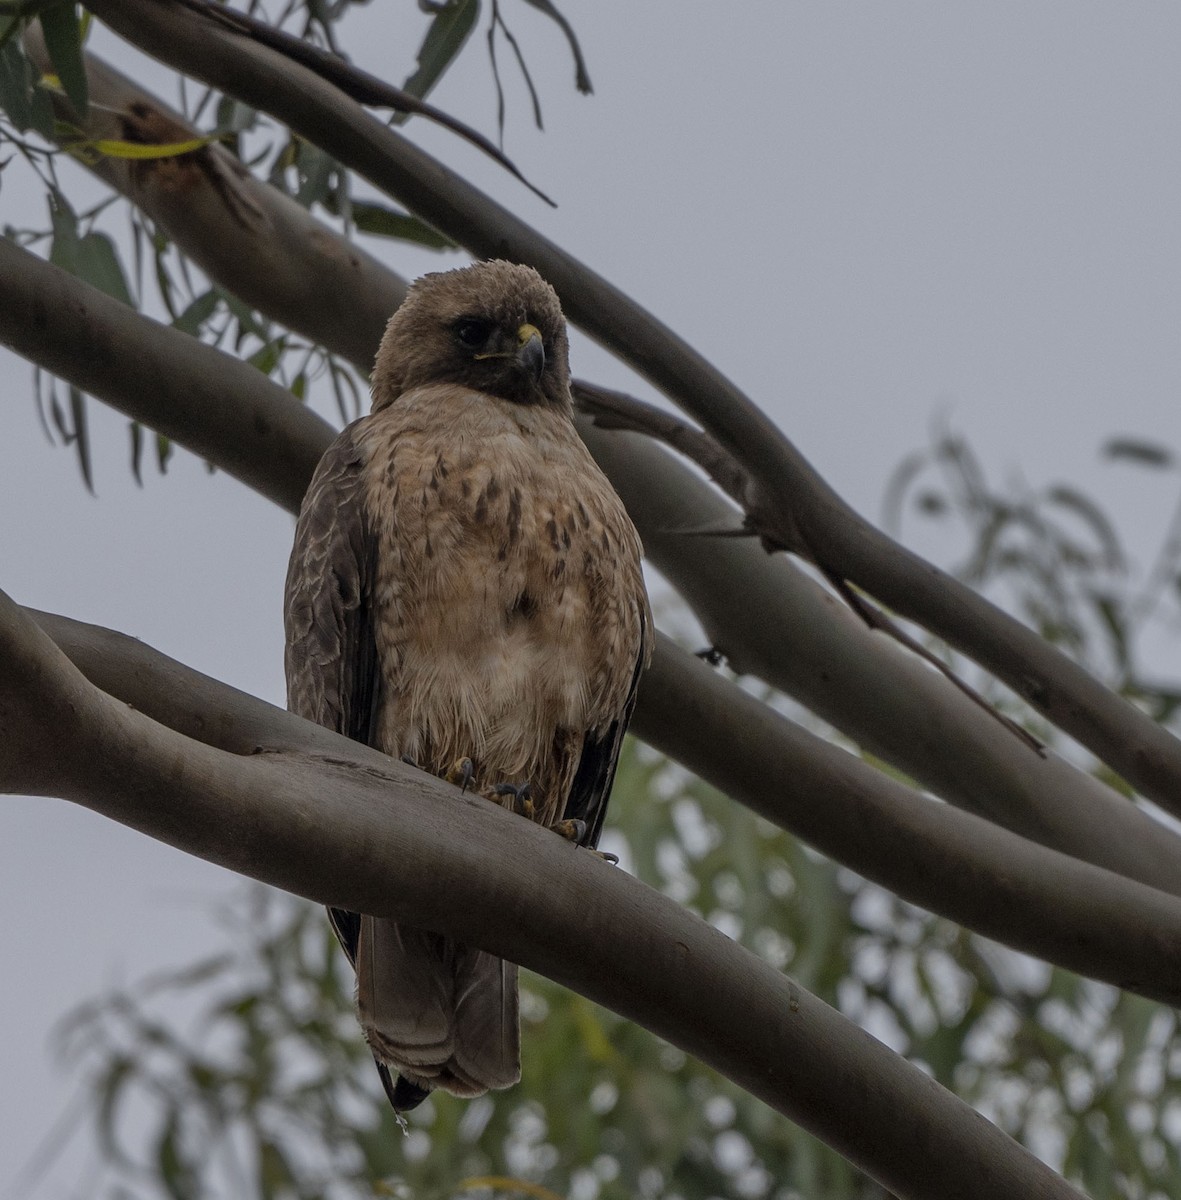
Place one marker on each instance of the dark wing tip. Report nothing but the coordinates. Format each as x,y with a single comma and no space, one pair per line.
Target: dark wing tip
403,1095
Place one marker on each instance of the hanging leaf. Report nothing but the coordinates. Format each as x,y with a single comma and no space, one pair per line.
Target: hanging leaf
198,312
63,250
1146,454
26,104
81,436
581,77
97,262
63,40
386,222
137,451
450,29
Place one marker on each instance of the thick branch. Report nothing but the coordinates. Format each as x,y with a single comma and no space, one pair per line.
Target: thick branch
329,831
1047,904
287,265
230,413
244,234
208,401
1144,753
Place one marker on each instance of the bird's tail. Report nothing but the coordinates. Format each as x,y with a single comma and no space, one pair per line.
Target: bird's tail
442,1015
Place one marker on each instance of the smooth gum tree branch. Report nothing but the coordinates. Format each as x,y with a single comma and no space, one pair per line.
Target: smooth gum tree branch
329,830
233,415
767,616
246,235
1081,917
1128,741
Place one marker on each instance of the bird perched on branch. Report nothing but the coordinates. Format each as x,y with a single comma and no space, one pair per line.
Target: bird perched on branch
465,593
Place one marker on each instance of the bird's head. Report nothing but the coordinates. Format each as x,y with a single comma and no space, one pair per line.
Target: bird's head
495,327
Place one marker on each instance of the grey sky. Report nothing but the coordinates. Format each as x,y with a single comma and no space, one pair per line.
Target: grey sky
863,213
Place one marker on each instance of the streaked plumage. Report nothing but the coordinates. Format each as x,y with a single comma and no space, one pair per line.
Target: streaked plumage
465,583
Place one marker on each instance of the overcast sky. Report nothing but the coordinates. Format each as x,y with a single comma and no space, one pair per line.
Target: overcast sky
866,214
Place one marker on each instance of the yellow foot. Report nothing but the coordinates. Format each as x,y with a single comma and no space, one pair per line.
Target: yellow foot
460,773
572,830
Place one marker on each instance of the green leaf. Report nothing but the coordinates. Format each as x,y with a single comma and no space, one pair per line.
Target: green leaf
98,263
81,436
63,40
137,451
315,168
446,36
581,77
63,250
197,313
1146,454
27,104
386,222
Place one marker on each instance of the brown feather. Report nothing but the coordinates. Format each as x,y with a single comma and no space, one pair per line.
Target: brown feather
466,583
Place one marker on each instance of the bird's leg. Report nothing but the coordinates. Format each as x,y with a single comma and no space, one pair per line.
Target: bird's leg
460,773
522,801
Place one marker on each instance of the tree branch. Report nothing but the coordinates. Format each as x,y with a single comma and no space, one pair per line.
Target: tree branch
229,412
1144,753
330,831
218,405
289,267
244,234
1047,904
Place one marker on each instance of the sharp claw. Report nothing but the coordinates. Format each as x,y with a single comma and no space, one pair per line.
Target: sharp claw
571,830
522,802
606,856
460,773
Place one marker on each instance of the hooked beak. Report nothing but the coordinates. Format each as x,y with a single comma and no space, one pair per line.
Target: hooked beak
530,351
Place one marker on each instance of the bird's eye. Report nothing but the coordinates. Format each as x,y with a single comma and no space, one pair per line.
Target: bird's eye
472,332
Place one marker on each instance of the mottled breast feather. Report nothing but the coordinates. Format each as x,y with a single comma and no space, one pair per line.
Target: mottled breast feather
465,583
510,612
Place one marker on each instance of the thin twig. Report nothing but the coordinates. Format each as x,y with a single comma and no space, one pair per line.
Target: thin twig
356,83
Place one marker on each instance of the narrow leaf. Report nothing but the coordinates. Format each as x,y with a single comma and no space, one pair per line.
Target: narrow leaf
581,77
450,29
16,85
81,436
137,451
197,313
113,148
63,40
386,222
1147,454
98,263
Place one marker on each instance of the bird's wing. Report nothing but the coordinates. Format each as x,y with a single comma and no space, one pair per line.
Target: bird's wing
600,755
331,661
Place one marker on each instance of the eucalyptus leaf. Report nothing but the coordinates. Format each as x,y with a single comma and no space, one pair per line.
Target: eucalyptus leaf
581,76
63,40
387,222
449,31
97,262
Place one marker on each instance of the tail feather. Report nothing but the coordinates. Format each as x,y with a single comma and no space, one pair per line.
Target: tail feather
442,1015
487,1050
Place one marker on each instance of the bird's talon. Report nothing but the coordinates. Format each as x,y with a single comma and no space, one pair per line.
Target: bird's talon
460,773
572,830
522,803
606,856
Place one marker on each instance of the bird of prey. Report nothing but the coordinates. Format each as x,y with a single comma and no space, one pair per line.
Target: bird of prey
465,593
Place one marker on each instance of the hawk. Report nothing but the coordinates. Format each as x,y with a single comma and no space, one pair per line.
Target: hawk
465,593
